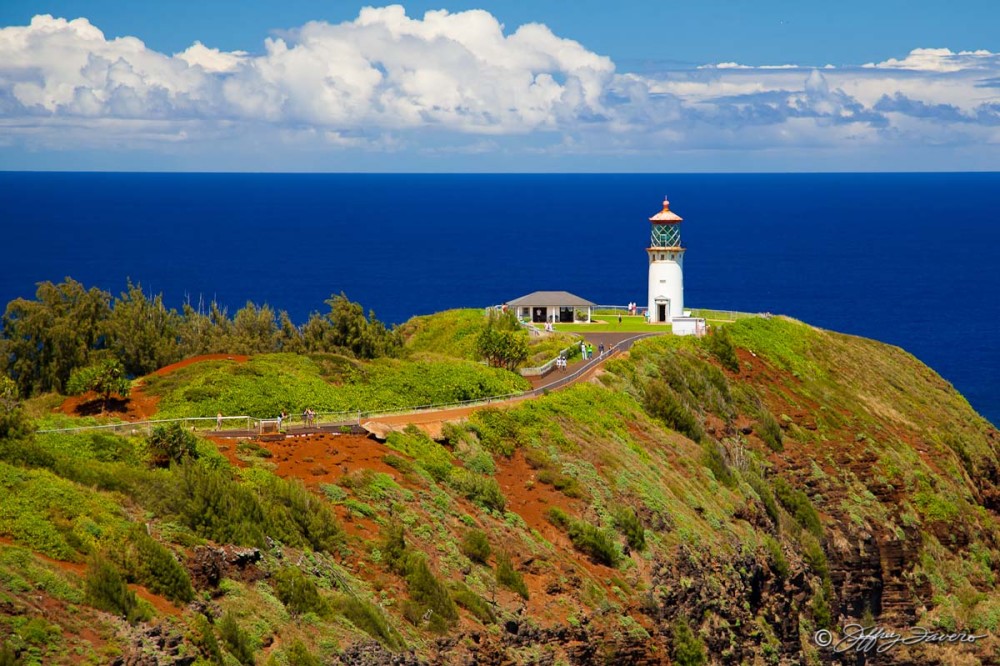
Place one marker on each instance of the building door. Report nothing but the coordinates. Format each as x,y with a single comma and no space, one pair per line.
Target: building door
661,312
538,315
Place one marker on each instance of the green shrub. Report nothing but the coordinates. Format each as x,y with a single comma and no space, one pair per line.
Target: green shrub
160,571
299,655
476,546
105,589
587,538
820,605
204,639
661,402
217,508
799,505
628,523
564,483
510,577
763,490
295,515
251,448
237,641
597,543
721,347
769,431
171,444
558,517
472,602
687,648
393,548
430,594
776,557
483,490
369,619
481,462
712,457
8,656
299,594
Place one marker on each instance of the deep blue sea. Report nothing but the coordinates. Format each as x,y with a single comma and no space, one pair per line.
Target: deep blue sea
909,259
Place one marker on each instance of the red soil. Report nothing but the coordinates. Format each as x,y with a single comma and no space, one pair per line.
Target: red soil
137,407
166,370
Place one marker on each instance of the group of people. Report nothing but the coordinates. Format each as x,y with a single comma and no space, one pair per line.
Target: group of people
309,417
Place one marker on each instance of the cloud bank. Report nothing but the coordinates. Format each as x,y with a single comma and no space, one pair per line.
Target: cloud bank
459,83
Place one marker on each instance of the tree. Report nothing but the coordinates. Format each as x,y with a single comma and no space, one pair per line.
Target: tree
13,422
363,337
289,337
253,330
143,333
44,340
500,343
171,444
106,378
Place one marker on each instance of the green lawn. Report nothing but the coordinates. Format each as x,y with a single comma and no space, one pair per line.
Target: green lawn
604,324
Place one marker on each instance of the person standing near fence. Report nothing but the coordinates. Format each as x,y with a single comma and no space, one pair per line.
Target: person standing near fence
218,421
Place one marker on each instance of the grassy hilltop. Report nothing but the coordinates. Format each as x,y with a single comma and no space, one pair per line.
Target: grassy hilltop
695,501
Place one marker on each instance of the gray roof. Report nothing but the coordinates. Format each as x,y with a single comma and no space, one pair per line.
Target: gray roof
550,298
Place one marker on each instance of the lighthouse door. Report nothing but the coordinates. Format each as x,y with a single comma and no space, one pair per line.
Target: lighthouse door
661,312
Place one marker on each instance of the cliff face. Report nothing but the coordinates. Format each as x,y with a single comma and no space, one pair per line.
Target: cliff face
715,500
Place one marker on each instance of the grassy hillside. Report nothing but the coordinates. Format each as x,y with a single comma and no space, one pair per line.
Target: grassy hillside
267,384
699,501
453,333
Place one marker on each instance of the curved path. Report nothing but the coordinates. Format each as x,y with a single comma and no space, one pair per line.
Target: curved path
614,343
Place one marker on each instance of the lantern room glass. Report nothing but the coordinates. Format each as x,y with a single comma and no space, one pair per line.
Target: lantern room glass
665,235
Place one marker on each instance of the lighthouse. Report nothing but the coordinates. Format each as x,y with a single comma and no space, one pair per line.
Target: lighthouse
666,266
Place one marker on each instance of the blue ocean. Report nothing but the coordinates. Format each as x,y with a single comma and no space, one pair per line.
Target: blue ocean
910,259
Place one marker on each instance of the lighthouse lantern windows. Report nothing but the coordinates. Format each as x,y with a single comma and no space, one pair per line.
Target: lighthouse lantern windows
666,235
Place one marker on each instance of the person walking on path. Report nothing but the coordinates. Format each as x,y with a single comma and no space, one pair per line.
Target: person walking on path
619,318
218,421
600,349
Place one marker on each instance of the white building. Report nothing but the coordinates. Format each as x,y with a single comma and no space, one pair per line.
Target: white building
550,306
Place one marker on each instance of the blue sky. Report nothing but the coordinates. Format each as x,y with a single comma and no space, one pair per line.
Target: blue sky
500,86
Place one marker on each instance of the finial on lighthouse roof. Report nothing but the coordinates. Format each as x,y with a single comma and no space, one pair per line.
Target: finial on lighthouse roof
666,215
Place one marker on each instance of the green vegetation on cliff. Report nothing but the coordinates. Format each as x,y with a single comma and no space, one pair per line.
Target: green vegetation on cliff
702,501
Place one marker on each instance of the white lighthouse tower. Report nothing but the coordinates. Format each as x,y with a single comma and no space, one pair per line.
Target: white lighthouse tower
666,267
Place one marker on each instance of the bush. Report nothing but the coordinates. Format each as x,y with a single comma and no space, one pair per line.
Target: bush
369,619
427,592
393,548
721,347
105,589
237,642
427,453
799,505
763,491
628,523
299,594
160,571
769,431
558,517
171,444
218,508
510,577
476,546
776,557
713,458
595,542
299,655
483,490
472,602
564,483
204,640
687,648
662,403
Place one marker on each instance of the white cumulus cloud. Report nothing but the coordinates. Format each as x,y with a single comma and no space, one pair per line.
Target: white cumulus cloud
463,84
